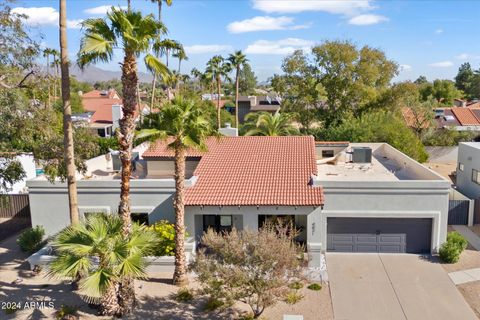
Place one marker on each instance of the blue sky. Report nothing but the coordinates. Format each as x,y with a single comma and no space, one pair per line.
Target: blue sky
430,38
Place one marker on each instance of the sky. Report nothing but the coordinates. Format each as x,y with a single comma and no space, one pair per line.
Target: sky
430,38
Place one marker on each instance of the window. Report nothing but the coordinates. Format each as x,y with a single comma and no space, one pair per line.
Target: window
219,223
460,166
476,176
327,153
140,217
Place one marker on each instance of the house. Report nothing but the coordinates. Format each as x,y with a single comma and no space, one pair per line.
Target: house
103,111
468,169
248,104
340,200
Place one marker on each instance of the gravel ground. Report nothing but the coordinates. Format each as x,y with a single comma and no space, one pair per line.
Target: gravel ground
471,293
155,296
469,259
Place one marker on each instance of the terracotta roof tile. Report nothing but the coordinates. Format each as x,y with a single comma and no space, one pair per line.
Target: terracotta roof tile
466,117
101,105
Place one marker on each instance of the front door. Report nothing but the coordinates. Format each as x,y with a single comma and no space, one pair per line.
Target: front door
219,223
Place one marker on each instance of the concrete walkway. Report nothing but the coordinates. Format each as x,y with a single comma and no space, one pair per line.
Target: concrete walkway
471,237
464,276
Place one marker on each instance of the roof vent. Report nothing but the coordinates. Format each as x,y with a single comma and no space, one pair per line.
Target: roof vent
361,155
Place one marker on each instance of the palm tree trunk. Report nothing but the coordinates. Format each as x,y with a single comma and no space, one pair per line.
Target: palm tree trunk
179,65
237,82
180,274
127,127
67,118
218,103
154,84
109,302
129,5
48,80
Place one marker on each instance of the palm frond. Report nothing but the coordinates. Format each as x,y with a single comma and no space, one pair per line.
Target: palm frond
96,283
156,66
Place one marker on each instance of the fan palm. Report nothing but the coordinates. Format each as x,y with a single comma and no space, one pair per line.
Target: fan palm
163,48
186,126
197,75
238,60
181,56
159,3
268,124
218,69
96,251
134,34
68,148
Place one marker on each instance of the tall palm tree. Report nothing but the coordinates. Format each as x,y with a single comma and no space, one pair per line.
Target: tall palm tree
163,48
134,34
186,126
219,69
96,251
55,65
197,75
46,53
68,148
181,56
238,60
268,124
159,3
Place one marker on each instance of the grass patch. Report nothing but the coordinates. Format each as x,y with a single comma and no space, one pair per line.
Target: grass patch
213,304
66,312
184,295
314,287
293,297
296,285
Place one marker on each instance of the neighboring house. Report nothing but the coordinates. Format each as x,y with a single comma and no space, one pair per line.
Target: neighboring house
468,169
103,111
389,203
28,163
250,104
458,118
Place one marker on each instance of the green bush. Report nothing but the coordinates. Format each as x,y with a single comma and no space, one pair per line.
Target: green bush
296,285
213,304
314,287
184,295
457,239
31,240
449,252
165,232
293,297
66,312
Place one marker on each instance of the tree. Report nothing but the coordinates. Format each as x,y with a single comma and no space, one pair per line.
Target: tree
11,171
183,125
248,80
100,238
421,80
254,267
351,77
134,34
218,69
443,91
464,78
163,48
181,56
159,3
268,124
67,118
237,61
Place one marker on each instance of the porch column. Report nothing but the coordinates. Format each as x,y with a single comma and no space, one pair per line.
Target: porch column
314,237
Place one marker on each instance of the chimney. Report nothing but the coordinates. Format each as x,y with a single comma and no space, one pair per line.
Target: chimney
228,130
117,114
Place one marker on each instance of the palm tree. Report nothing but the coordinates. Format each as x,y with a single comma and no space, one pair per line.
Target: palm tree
134,34
163,48
197,75
96,251
238,60
181,56
185,126
218,68
68,149
268,124
55,65
159,2
46,53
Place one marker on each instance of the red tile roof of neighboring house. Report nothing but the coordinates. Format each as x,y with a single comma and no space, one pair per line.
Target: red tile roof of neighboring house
466,117
101,105
252,171
411,120
473,105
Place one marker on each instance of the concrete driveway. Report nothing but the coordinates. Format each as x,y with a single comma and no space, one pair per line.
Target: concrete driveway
392,286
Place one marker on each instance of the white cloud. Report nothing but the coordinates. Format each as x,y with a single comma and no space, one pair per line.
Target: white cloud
262,23
439,31
207,48
367,19
346,7
283,47
46,16
100,10
405,68
467,56
441,64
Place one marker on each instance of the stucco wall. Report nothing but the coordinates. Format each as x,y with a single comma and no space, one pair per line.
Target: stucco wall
167,168
469,156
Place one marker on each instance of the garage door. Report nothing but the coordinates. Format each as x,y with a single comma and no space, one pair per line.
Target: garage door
379,235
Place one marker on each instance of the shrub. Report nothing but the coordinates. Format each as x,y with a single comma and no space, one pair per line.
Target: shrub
31,240
457,239
213,304
66,313
184,295
449,252
293,297
11,309
296,285
314,287
165,232
254,267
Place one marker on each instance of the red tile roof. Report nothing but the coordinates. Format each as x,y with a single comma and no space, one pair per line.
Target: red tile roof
251,171
101,105
466,117
411,119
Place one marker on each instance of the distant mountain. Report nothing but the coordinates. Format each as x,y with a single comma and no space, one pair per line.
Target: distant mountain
93,74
